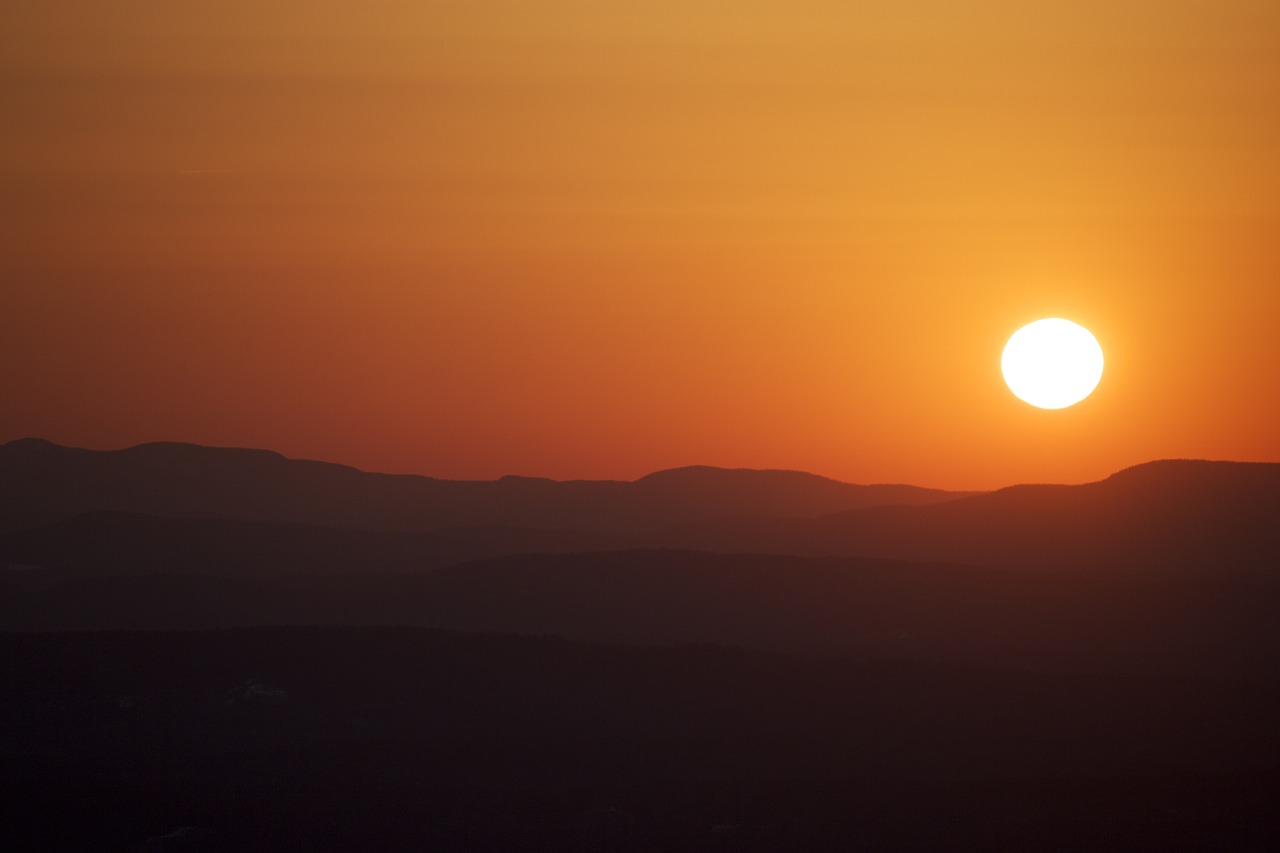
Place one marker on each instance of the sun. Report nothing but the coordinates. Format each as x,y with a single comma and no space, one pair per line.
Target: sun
1052,363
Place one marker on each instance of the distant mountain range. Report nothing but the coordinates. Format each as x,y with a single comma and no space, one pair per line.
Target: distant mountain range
1163,519
40,480
172,508
1104,574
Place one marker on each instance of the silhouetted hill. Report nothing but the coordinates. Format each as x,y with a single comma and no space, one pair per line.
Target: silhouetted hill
39,479
859,608
344,739
1165,519
1173,519
1170,518
116,543
1171,565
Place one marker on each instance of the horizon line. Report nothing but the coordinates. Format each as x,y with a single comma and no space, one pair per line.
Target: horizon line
29,439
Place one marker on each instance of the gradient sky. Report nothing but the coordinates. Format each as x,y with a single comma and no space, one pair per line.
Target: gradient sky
586,239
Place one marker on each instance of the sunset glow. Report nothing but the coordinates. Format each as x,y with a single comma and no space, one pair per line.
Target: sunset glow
597,240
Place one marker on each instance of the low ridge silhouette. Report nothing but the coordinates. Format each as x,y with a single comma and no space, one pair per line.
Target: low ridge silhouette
40,480
1164,519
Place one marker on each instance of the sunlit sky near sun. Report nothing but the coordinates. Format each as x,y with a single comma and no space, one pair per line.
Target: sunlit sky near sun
585,239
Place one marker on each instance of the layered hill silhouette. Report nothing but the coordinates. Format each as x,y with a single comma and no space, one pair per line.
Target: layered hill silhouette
257,512
700,659
1173,564
40,481
184,509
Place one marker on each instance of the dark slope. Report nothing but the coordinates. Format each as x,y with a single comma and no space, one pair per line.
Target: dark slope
39,479
108,544
868,609
865,609
1163,519
341,739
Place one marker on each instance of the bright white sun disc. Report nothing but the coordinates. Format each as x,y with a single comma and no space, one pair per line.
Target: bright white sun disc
1052,363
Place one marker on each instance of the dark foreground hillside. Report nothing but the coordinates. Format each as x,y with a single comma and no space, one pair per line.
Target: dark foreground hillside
402,739
855,608
258,656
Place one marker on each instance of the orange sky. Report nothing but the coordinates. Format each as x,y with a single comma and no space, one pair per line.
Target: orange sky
585,239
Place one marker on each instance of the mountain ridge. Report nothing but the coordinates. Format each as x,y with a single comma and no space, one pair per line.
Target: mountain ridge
1161,518
156,448
1169,517
175,479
